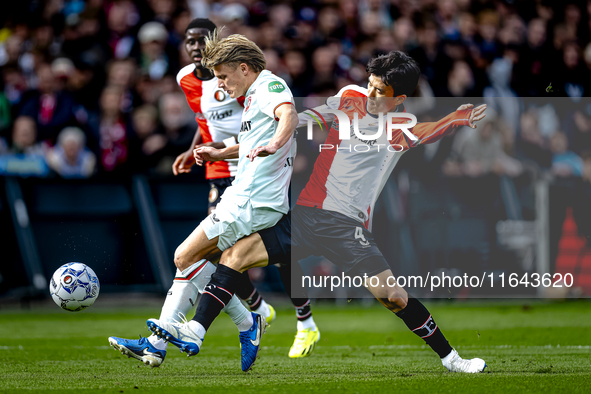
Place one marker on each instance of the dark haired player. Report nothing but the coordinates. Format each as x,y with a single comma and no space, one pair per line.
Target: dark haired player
333,218
219,119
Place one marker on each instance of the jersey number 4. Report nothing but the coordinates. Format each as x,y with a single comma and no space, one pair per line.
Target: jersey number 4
359,235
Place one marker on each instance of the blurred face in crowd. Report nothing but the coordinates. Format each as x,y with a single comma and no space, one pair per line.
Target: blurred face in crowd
111,101
536,33
72,148
195,44
121,73
144,121
559,143
234,80
24,132
382,97
295,63
323,60
47,81
571,55
172,111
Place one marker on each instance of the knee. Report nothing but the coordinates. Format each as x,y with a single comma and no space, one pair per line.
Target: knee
181,260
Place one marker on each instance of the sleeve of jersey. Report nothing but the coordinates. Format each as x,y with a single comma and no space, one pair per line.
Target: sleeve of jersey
346,100
430,132
273,95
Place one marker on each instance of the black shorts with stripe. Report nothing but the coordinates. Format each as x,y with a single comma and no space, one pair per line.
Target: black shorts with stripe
339,238
217,188
277,241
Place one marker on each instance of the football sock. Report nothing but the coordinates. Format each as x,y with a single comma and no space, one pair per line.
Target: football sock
301,304
307,324
418,319
251,296
181,298
217,294
249,293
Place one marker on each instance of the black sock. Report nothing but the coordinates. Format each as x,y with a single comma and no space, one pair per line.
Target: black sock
418,319
249,293
217,294
301,304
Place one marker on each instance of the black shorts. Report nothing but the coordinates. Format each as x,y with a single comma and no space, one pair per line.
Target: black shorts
340,239
277,241
217,188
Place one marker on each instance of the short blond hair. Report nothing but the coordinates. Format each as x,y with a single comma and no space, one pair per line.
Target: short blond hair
232,51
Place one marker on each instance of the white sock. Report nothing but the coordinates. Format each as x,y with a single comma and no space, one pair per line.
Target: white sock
181,298
263,309
197,328
246,323
238,313
307,324
157,342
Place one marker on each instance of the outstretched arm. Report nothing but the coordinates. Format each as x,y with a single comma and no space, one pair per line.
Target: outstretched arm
429,132
288,120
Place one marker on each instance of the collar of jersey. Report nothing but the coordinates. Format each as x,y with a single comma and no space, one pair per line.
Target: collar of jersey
262,74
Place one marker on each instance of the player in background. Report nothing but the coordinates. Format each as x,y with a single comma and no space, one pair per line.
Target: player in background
258,197
219,118
333,218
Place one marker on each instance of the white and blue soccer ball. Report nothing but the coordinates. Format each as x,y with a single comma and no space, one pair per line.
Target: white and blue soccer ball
74,286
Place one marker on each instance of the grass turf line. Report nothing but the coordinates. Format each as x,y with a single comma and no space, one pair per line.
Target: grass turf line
544,347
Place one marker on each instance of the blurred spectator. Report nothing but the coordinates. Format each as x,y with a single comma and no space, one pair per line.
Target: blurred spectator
479,152
154,58
70,158
460,81
147,144
121,17
175,117
24,138
112,132
121,73
15,84
530,143
564,162
25,157
579,132
499,95
49,104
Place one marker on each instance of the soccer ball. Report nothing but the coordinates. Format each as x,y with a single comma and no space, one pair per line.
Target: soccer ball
74,286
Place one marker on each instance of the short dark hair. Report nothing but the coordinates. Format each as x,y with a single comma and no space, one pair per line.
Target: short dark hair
398,70
201,23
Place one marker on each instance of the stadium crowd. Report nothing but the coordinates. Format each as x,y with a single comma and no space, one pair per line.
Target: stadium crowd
89,86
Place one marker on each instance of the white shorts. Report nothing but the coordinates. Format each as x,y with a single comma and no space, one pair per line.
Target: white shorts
232,220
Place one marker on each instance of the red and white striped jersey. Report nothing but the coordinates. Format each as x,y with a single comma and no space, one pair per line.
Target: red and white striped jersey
349,177
219,116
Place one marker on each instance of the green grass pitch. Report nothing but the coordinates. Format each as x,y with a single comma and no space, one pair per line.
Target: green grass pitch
542,347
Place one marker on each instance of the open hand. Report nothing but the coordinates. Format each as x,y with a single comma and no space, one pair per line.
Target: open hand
476,114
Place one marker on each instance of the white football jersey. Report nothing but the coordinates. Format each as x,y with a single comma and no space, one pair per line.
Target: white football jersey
265,181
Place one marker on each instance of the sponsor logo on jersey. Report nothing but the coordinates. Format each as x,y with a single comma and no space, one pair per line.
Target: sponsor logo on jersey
219,115
219,95
276,87
248,103
245,126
